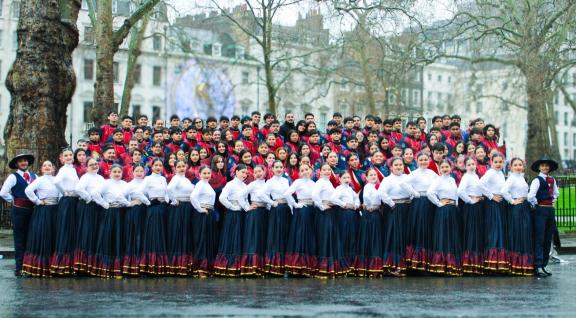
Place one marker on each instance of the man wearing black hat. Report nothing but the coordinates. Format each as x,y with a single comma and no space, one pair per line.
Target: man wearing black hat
543,192
13,191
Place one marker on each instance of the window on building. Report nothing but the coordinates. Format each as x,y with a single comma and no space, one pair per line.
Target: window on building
157,42
216,49
1,38
121,7
116,70
15,9
467,107
439,78
322,119
136,111
88,69
574,140
429,76
1,4
556,117
137,73
438,98
565,118
155,113
565,139
449,79
15,40
157,76
478,107
245,77
416,97
88,34
87,110
565,152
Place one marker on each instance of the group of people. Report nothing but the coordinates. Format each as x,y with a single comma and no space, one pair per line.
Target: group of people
229,197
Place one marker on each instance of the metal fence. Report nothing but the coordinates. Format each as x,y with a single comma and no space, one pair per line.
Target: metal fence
566,203
5,222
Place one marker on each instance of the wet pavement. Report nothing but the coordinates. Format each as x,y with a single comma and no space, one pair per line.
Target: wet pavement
410,296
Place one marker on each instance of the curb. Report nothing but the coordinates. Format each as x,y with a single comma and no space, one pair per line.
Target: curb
568,250
7,254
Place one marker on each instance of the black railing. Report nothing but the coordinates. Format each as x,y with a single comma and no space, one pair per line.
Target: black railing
566,203
5,222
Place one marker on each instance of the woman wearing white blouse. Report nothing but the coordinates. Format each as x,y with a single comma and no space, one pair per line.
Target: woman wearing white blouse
368,260
472,210
446,243
331,261
420,217
89,215
278,222
515,191
347,218
233,197
62,262
204,228
496,256
112,197
397,193
179,222
254,228
154,258
301,248
134,221
40,240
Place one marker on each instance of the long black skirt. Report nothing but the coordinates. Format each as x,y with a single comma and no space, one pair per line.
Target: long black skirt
331,259
179,238
368,261
134,222
254,242
204,238
447,244
473,238
521,240
301,249
154,258
62,261
227,262
110,246
496,256
277,237
419,234
89,218
395,239
40,242
348,222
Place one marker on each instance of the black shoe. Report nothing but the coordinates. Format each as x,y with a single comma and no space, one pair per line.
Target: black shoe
547,272
540,273
18,273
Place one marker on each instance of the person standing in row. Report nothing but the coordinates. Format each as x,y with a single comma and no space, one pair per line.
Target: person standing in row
398,194
446,244
13,192
89,216
543,192
515,191
112,197
301,249
495,251
179,222
347,201
278,222
204,227
41,238
473,219
233,197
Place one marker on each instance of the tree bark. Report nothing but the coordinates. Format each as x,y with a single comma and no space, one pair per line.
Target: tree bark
134,51
41,81
104,86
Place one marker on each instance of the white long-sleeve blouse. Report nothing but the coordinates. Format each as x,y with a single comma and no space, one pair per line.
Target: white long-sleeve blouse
421,179
234,191
344,195
202,195
179,187
323,190
89,182
42,188
492,182
515,187
66,179
469,187
444,187
303,188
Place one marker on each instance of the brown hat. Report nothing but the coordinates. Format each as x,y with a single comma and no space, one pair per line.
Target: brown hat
12,164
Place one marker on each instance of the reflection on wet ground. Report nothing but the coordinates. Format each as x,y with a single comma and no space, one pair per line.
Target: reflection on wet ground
410,296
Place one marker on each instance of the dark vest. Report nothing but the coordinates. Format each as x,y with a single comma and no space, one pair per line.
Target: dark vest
18,190
545,191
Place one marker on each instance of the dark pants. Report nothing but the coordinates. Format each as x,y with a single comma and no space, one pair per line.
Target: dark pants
544,225
20,221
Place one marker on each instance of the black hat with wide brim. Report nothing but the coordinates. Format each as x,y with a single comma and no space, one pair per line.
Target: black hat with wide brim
546,159
12,164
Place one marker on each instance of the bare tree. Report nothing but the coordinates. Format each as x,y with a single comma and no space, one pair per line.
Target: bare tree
534,36
42,80
108,42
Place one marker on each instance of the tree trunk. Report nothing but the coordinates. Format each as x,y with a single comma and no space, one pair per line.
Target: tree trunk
41,81
134,51
539,138
104,86
268,71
